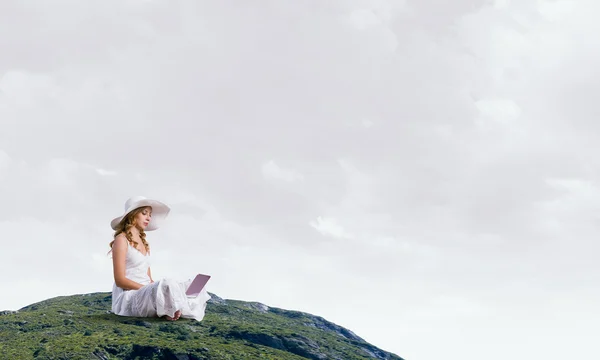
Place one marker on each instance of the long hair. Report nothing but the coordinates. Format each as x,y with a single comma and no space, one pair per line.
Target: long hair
125,227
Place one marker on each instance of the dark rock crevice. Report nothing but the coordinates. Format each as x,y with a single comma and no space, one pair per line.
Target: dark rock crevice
297,345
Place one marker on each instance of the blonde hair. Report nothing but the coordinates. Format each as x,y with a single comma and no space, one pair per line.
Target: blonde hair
125,227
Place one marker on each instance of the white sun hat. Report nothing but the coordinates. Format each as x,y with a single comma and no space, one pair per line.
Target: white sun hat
159,211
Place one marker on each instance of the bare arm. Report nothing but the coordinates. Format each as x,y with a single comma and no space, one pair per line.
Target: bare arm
119,250
150,275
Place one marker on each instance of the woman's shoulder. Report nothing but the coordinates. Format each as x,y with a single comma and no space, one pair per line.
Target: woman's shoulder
121,241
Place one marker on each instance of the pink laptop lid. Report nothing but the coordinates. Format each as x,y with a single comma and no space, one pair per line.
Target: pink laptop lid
197,285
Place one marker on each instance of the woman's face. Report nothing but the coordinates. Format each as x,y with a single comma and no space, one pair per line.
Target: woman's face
142,219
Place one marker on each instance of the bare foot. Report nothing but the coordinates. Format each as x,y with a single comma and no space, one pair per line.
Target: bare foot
175,317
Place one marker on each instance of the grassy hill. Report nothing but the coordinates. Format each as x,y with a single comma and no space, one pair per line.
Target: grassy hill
82,327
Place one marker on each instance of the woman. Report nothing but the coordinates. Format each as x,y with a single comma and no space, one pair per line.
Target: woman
134,292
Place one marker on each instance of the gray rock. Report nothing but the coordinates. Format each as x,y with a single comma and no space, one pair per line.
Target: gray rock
262,308
216,300
100,355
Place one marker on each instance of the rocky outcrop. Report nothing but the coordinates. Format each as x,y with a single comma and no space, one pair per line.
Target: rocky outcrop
145,352
298,345
83,327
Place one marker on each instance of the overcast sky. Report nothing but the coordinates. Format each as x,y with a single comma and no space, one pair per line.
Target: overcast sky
422,172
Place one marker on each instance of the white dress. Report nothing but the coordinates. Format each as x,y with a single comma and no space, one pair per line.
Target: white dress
162,297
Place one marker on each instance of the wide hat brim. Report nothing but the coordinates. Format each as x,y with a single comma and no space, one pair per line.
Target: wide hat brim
160,211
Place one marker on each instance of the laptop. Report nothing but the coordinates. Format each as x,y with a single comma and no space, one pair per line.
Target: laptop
197,285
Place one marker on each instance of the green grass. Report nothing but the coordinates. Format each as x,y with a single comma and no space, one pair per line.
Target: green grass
82,327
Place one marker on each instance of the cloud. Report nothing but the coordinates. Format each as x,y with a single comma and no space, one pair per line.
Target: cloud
329,227
104,172
271,170
5,161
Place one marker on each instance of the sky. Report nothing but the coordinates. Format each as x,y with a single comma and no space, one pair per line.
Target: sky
423,173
